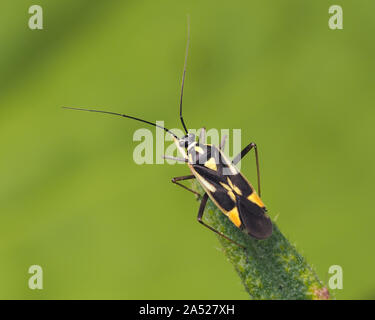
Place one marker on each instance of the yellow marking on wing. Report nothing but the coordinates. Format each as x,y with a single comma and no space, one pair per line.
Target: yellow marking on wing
230,183
211,164
255,199
230,191
226,186
232,196
199,150
234,217
235,188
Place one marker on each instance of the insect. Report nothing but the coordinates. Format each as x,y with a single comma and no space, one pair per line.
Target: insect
229,190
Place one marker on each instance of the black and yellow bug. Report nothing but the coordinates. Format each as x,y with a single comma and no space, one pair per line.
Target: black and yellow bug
222,182
225,185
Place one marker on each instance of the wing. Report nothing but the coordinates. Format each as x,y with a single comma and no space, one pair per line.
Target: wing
212,183
233,195
254,219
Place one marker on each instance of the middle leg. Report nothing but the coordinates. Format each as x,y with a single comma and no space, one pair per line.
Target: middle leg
200,220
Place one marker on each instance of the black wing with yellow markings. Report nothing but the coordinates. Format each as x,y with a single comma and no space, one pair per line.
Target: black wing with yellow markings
231,192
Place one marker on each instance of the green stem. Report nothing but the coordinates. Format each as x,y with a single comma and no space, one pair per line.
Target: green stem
269,269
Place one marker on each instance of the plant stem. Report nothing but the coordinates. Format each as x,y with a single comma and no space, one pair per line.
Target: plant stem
269,269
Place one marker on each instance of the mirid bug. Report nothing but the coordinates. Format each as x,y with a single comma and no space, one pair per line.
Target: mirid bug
222,182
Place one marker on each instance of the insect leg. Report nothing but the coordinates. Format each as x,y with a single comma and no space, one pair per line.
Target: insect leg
176,179
243,153
200,220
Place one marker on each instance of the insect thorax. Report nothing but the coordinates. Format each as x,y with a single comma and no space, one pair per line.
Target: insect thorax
201,153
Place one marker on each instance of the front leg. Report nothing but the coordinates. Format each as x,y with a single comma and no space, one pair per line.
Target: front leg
176,179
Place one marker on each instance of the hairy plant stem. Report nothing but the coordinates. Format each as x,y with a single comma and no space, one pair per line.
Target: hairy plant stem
269,269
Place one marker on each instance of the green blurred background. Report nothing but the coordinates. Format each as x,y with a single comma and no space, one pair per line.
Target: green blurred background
73,201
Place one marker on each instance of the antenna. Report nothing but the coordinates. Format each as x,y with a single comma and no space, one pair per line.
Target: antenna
125,116
183,74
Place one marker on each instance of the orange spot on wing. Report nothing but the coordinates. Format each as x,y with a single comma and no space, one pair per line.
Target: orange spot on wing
234,217
255,199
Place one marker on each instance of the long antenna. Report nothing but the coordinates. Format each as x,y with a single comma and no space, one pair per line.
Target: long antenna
183,74
125,116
